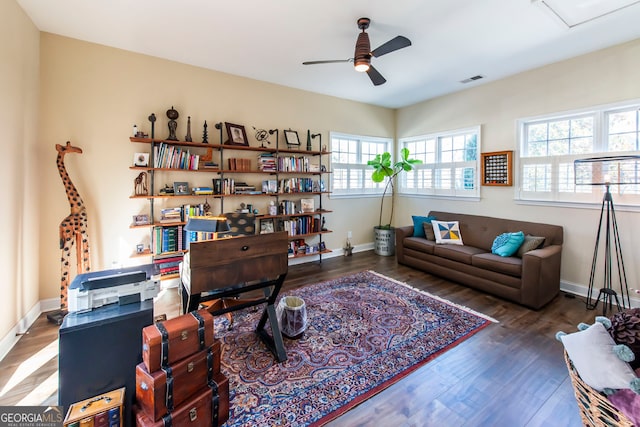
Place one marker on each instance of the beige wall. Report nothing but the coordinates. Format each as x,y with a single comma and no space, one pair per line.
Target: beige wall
92,95
21,206
602,77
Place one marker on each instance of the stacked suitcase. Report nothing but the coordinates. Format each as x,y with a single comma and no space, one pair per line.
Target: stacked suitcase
179,382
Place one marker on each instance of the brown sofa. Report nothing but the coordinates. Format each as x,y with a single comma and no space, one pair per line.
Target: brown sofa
532,280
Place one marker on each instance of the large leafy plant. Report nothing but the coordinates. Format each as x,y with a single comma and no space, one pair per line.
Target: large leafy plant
384,169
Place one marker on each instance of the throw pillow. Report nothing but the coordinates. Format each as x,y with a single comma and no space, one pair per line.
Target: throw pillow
507,244
627,402
530,243
418,224
428,231
592,354
447,232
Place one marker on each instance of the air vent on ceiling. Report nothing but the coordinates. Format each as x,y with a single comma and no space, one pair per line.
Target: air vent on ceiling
471,79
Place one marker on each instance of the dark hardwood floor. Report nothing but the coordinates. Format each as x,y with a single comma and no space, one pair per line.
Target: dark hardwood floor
509,374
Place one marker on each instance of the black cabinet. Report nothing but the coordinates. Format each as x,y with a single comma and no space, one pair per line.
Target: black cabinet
99,351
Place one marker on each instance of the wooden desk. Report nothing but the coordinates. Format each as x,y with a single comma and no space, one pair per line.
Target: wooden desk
230,267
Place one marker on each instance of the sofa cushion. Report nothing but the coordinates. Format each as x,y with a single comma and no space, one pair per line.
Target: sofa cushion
428,231
507,244
419,244
530,243
447,232
460,253
418,225
505,265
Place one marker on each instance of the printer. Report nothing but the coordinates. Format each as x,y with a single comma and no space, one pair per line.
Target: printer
123,286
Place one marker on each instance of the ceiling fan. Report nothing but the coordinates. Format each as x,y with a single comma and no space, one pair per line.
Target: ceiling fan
363,53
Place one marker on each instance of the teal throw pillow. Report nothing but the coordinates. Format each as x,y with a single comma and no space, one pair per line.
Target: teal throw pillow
418,227
507,244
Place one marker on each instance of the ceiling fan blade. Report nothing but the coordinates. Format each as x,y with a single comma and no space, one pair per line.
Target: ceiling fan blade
394,44
330,61
375,76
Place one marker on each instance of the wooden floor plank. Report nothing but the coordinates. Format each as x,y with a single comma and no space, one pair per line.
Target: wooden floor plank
510,373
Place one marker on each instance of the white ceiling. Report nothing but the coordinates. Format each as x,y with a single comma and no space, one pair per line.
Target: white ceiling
269,40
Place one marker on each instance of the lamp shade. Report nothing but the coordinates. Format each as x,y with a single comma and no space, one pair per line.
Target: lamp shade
207,224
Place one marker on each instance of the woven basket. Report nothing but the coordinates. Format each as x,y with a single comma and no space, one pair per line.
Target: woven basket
595,408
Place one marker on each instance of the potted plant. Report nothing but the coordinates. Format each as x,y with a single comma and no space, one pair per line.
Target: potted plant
385,170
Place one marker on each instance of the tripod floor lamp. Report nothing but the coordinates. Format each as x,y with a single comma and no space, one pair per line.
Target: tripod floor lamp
608,171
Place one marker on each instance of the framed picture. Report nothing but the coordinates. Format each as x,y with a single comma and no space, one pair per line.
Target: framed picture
236,135
497,168
180,188
266,226
142,219
291,136
141,159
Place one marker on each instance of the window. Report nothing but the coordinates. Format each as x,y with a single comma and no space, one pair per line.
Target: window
450,164
349,156
549,146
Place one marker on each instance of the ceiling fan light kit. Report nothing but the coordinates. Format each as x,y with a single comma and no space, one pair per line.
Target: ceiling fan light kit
363,53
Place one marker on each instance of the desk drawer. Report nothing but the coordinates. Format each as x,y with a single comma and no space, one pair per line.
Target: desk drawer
223,251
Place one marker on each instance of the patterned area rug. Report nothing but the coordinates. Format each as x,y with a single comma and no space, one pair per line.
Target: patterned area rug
364,332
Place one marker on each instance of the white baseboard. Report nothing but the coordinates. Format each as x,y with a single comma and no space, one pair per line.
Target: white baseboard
23,325
581,290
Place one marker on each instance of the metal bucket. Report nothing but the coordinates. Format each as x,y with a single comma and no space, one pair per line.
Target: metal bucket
385,241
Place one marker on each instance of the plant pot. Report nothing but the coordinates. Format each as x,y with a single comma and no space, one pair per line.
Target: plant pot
384,241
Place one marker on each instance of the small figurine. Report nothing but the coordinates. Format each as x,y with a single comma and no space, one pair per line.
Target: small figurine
172,115
188,135
324,226
205,135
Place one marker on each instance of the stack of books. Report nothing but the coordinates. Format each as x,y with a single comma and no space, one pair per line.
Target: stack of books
169,215
266,162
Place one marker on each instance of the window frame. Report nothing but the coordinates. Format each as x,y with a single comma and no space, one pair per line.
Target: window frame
368,188
418,174
558,180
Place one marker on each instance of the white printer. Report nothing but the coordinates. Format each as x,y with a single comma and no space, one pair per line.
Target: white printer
122,286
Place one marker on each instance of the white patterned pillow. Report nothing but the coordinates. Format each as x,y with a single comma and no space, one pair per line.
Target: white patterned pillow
447,232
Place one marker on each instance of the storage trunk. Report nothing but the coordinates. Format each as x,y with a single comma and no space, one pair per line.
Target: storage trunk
167,342
161,391
205,409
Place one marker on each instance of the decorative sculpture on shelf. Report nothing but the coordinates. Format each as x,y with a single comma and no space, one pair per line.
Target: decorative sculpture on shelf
140,185
205,134
172,115
262,136
152,119
308,140
73,229
188,135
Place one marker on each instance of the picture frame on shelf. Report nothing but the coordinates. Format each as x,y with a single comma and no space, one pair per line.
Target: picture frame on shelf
291,137
142,219
307,205
180,188
141,159
236,135
266,226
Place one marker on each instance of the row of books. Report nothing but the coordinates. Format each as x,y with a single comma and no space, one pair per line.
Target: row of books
239,164
168,265
167,239
175,157
301,225
293,164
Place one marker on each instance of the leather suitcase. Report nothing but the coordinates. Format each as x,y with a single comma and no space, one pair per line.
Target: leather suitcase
208,408
167,342
162,391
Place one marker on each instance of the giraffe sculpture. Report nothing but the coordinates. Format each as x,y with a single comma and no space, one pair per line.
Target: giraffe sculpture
73,229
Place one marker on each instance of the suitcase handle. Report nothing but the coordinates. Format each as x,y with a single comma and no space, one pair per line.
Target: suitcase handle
107,399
